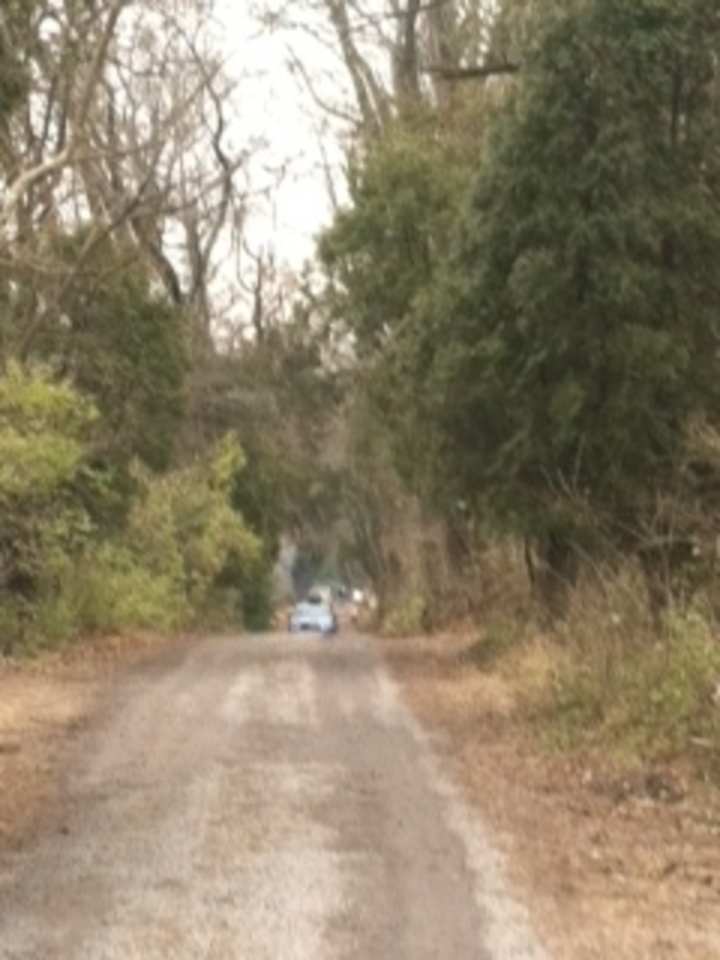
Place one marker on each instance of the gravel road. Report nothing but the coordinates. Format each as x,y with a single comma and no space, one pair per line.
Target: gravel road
265,798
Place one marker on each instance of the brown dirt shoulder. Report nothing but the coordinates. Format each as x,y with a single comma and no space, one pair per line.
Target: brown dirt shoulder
45,703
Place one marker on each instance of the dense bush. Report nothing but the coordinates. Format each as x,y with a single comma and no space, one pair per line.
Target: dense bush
110,589
182,527
183,555
44,469
406,617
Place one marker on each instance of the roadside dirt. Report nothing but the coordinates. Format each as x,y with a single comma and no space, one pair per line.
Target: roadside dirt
45,704
610,865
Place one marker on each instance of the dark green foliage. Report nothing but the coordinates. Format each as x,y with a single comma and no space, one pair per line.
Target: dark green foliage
281,398
257,599
381,252
125,345
531,297
385,257
257,495
583,335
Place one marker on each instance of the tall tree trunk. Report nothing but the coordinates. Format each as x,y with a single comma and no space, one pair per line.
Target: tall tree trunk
370,99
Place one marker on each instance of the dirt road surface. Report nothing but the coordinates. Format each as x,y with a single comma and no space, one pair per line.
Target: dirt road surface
248,798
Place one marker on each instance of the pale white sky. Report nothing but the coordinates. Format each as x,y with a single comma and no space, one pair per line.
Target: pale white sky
273,108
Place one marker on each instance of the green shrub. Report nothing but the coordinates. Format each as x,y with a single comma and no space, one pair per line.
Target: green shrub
646,700
670,688
182,555
407,617
13,625
257,598
183,528
45,430
112,590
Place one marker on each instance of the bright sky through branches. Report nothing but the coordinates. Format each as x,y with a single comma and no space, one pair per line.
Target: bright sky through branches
273,110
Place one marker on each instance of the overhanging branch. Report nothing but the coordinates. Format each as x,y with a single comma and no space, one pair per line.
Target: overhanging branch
472,73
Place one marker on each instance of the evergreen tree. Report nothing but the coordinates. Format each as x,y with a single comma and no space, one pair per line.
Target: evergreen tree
585,332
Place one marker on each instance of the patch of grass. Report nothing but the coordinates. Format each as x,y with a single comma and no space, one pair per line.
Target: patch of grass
531,669
406,618
496,641
644,701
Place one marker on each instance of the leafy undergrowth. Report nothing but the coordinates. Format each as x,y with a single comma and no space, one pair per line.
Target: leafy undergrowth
91,548
606,680
656,702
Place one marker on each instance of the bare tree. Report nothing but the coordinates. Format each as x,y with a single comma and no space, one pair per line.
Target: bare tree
124,129
50,133
396,53
164,158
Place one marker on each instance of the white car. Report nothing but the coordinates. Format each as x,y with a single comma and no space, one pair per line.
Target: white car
313,614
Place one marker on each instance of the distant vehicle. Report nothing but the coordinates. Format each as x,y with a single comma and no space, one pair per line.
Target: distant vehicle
314,614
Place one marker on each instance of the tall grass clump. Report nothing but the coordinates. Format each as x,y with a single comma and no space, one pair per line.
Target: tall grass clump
644,694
